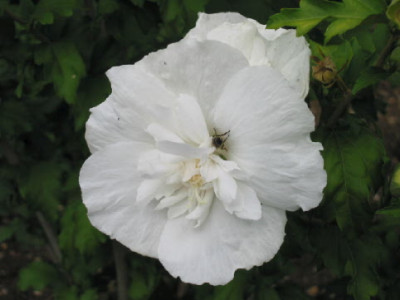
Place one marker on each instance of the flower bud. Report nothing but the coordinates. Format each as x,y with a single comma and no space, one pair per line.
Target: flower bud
325,71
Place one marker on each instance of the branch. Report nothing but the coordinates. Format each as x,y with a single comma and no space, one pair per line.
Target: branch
50,236
348,97
386,51
15,17
120,267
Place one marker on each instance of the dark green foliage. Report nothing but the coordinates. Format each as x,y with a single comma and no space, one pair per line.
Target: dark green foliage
346,15
53,59
353,160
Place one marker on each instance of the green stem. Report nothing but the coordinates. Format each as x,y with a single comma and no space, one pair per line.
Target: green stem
51,237
120,267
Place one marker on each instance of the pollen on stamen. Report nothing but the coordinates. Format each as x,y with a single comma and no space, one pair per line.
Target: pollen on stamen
196,180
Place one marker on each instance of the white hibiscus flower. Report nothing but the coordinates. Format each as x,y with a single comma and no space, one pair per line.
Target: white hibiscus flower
202,146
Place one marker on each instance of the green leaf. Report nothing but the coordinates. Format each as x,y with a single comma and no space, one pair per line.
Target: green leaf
195,5
107,6
68,70
14,118
267,293
351,14
67,293
393,12
393,211
341,54
395,55
138,2
76,230
305,18
37,275
395,182
7,231
46,9
142,285
346,15
234,290
91,92
353,161
394,79
332,247
144,279
42,187
367,78
89,295
367,254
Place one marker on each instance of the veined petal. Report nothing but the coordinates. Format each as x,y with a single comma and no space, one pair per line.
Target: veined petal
182,149
269,138
160,133
225,188
209,170
137,99
291,56
272,112
295,175
148,189
207,22
190,122
109,192
172,200
199,69
225,165
248,206
281,49
155,163
224,243
106,127
178,210
200,213
243,36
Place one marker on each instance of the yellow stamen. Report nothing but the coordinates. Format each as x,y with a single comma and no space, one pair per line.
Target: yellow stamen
196,180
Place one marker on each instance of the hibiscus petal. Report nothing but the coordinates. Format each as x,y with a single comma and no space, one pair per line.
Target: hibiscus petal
155,163
225,188
199,69
242,36
174,199
137,99
280,48
160,133
148,189
105,127
207,22
291,56
200,213
224,243
181,149
248,205
178,210
190,122
269,138
109,182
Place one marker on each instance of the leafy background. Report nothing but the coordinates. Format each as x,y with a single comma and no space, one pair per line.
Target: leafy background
53,57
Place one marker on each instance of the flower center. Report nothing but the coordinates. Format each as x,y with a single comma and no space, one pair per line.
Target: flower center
188,168
196,181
